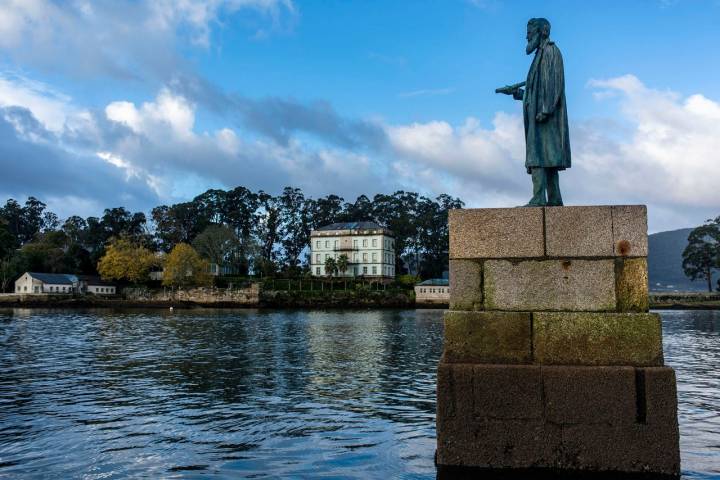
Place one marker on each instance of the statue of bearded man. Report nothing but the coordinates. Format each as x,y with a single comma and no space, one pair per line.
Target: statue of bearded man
547,139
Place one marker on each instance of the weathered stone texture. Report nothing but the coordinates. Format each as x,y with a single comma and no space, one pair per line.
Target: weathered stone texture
631,285
590,395
578,231
496,233
465,285
487,337
575,418
536,285
507,392
583,338
630,230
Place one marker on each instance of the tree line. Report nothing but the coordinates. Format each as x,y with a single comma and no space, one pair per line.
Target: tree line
250,233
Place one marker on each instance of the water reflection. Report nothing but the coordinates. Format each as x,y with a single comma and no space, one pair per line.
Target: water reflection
261,393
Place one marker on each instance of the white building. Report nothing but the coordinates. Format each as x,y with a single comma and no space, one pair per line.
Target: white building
369,248
434,291
37,283
61,283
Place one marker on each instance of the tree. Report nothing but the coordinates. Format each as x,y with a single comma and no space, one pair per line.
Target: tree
330,266
11,267
184,268
125,260
702,253
294,219
218,244
325,211
342,263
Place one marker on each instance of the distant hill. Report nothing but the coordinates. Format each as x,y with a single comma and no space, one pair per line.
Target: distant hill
665,263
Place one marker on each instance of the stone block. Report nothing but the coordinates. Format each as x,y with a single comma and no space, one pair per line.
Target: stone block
633,448
630,230
487,337
496,233
454,392
631,284
584,338
465,285
590,395
578,231
660,395
563,285
498,444
508,392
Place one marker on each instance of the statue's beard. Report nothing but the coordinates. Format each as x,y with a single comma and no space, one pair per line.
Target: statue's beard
532,44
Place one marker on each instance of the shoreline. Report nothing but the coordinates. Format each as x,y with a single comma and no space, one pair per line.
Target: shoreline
73,303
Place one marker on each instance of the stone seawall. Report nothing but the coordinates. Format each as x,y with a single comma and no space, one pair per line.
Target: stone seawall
205,296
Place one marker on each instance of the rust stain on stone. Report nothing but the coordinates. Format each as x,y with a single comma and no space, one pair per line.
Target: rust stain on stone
623,248
566,264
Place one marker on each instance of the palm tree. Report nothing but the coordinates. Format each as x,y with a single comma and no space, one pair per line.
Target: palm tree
330,266
342,263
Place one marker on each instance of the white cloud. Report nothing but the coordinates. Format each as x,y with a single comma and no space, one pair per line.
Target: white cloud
169,113
128,39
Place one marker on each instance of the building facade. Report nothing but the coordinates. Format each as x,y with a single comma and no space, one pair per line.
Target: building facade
61,283
434,291
368,247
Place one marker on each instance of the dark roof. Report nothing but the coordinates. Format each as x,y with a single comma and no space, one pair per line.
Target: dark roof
350,226
436,282
54,278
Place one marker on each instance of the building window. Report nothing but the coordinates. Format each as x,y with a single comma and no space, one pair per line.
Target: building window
374,270
327,243
364,257
355,258
364,270
335,244
317,243
355,244
327,255
374,240
364,242
374,257
317,270
317,258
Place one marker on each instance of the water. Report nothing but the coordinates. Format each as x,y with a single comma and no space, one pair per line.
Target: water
246,393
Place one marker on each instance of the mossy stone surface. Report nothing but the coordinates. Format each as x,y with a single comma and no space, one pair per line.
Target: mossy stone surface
584,338
466,285
487,337
631,285
542,285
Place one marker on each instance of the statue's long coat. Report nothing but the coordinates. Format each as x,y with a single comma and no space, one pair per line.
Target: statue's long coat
547,143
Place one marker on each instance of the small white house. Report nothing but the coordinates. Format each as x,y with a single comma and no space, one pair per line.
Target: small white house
434,291
61,283
45,283
96,286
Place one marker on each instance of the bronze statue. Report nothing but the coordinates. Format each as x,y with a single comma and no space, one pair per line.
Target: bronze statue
547,140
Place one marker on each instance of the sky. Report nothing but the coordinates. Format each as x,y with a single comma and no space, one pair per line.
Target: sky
138,103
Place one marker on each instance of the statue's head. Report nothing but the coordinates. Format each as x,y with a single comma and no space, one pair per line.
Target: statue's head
538,29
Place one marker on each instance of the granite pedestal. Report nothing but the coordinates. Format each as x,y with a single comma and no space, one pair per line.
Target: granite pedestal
551,360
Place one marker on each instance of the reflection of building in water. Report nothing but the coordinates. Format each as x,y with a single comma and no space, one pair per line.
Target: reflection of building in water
346,357
433,291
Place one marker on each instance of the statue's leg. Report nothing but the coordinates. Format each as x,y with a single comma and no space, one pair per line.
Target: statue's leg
553,187
539,181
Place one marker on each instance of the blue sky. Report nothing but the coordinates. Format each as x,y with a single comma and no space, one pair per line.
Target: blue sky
138,103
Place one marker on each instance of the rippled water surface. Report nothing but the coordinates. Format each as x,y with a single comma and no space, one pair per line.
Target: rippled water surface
241,393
